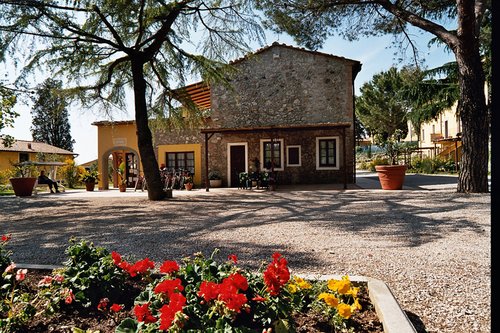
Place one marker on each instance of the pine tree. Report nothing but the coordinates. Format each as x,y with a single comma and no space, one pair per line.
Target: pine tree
50,116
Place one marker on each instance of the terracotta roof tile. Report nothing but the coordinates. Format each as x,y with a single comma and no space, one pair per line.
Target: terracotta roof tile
34,147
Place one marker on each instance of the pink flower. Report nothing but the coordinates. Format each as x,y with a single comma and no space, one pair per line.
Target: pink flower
6,238
68,294
58,278
46,281
21,274
10,268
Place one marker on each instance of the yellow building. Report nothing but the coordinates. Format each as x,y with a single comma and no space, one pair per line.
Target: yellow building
117,143
22,151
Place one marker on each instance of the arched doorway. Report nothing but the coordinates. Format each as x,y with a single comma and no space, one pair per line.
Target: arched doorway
110,161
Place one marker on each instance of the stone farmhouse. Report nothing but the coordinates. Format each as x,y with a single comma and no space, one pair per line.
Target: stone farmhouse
288,110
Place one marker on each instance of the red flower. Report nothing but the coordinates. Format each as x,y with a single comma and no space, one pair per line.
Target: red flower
276,274
169,287
208,290
125,266
238,280
168,311
259,298
169,267
116,307
103,304
233,258
143,313
141,267
117,258
233,300
6,238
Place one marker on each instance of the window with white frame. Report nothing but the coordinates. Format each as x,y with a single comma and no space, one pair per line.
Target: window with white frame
327,153
293,156
272,150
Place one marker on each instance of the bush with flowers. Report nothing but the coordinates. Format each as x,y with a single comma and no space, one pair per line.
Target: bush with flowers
197,295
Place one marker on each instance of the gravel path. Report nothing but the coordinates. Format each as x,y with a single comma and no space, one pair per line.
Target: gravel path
432,248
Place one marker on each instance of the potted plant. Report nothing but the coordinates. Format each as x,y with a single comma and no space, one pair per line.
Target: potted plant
23,182
89,177
122,179
215,179
188,183
391,176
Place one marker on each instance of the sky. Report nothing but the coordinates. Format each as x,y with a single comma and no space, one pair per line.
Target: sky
374,53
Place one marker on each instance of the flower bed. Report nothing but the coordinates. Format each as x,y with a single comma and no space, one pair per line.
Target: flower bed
197,295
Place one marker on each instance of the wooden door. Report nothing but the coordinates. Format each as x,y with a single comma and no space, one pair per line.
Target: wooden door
237,163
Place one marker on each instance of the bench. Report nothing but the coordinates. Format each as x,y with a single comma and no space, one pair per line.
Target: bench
46,187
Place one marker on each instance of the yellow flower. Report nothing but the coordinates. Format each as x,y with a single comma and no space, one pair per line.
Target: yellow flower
292,288
329,299
341,286
353,292
303,284
355,306
344,310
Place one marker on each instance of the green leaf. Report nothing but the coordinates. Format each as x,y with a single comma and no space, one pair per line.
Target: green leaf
128,325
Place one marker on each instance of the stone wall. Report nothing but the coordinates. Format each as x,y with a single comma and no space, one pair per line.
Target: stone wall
285,86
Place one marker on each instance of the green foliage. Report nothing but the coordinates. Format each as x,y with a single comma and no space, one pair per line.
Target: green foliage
25,169
312,22
50,122
431,165
4,254
110,49
7,114
214,175
15,304
89,272
381,107
71,173
89,176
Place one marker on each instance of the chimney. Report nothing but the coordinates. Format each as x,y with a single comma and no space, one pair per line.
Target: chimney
29,145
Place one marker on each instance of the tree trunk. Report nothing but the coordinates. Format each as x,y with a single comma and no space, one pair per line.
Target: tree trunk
144,137
473,177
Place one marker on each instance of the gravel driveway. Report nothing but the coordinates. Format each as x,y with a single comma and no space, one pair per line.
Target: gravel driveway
432,248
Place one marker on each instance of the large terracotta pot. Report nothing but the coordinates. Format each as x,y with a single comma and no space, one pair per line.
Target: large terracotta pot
90,186
23,187
215,182
391,177
188,186
122,187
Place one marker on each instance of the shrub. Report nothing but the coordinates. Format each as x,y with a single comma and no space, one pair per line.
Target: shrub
71,173
90,273
5,175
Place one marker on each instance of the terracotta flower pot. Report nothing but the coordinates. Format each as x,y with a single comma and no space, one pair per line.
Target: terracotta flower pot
188,186
89,186
391,176
215,182
23,186
122,187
